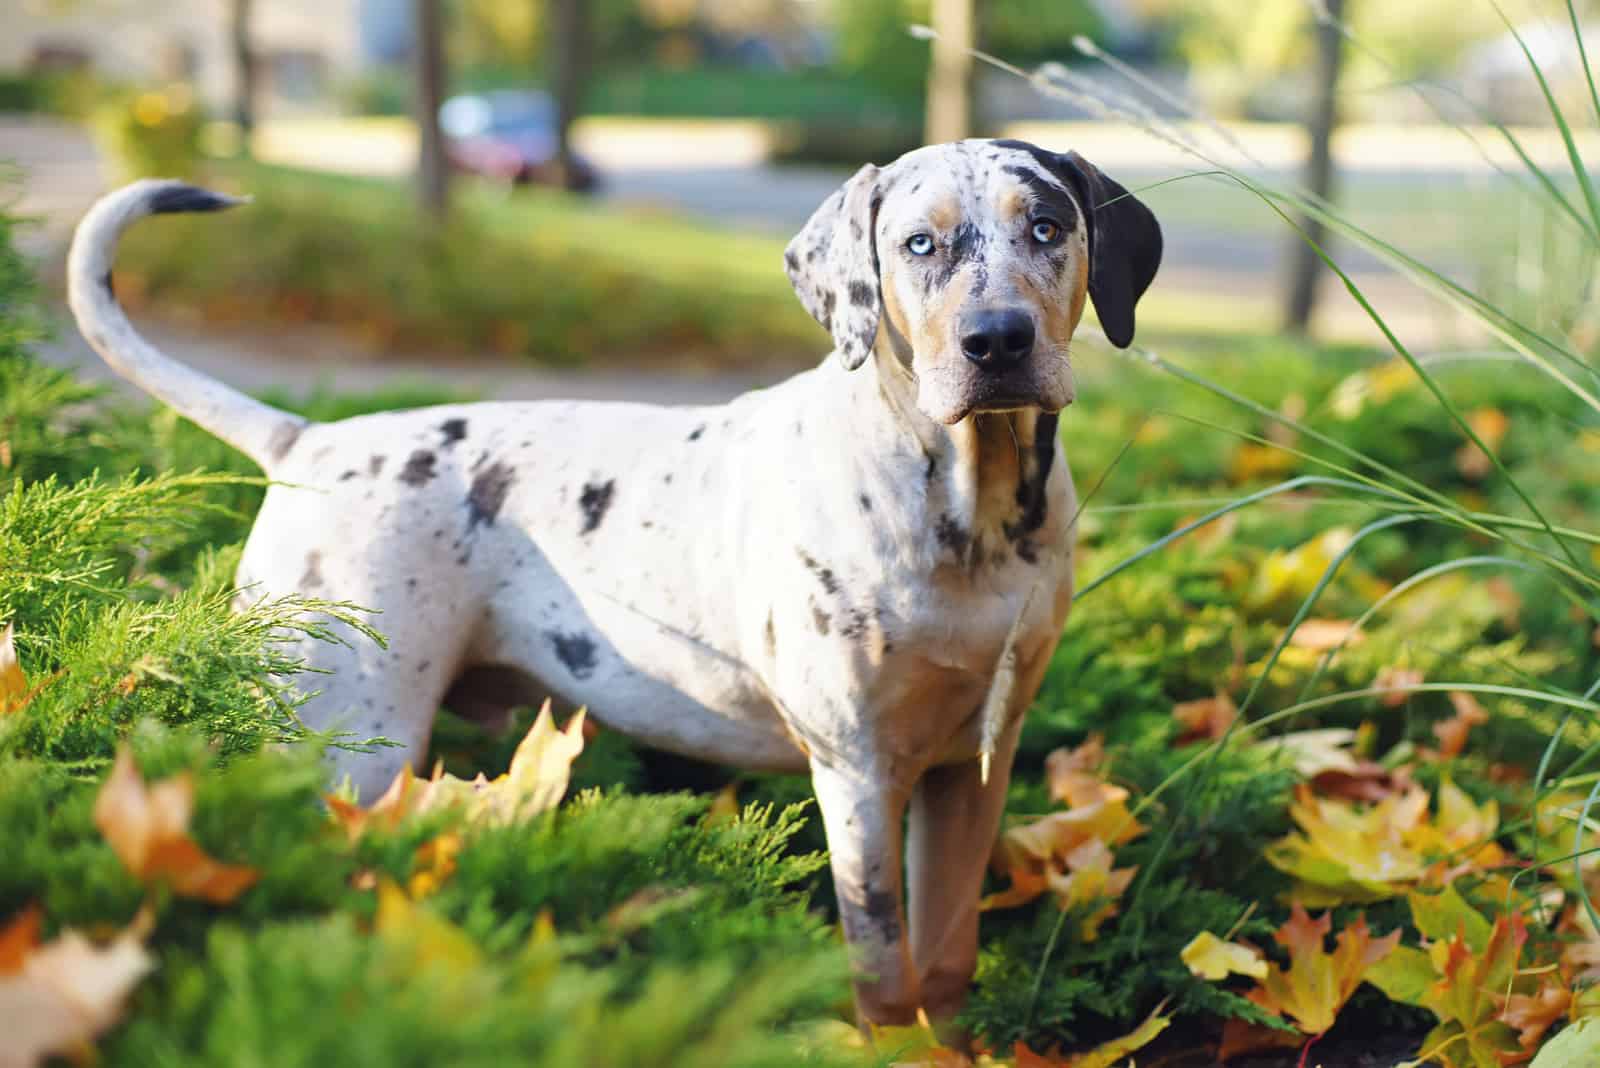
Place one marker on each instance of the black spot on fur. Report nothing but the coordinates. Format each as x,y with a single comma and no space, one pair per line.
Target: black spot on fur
694,435
791,261
830,301
487,494
950,534
348,475
453,430
419,468
1031,497
933,468
1049,197
883,912
424,666
855,625
575,651
824,575
111,290
374,466
313,574
862,294
594,501
866,502
823,621
283,438
771,637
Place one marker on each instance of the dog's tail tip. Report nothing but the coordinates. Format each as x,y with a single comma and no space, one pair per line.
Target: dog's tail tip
171,196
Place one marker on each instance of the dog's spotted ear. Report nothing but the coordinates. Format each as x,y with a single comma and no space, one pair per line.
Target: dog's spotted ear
833,265
1124,246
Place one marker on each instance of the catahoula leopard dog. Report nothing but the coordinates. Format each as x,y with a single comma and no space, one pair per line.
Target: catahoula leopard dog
859,573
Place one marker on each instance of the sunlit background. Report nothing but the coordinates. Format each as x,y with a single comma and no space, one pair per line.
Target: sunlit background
693,123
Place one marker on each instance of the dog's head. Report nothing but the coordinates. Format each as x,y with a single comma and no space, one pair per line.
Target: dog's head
975,258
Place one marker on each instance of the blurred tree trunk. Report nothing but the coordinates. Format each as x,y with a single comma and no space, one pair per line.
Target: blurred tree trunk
244,70
427,49
950,72
568,42
1306,268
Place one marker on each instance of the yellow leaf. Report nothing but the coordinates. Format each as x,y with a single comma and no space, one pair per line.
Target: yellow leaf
429,938
148,829
725,807
56,997
1115,1051
1207,718
1210,957
13,683
1317,984
1252,461
435,862
540,770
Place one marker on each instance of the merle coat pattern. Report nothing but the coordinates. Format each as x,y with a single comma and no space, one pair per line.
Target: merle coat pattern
859,573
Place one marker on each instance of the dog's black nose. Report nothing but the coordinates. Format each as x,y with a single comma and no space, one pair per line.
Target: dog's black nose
997,339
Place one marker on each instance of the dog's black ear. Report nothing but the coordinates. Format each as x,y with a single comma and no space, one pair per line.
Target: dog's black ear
833,265
1124,246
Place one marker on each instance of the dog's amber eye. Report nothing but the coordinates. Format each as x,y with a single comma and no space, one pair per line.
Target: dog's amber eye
920,244
1045,231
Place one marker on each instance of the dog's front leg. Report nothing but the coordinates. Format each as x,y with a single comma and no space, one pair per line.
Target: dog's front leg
954,819
862,810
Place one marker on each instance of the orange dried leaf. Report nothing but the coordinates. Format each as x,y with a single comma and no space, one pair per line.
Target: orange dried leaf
1207,718
148,828
13,683
1067,770
1320,635
61,995
1398,682
1452,733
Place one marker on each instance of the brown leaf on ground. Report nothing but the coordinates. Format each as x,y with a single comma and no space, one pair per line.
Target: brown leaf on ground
148,828
1398,682
535,783
1070,772
1452,733
1204,719
1320,635
57,997
1490,424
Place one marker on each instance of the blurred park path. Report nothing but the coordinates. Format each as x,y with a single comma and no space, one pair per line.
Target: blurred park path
1224,249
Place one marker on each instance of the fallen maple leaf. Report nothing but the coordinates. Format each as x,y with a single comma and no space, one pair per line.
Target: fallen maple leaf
1345,853
1317,984
1068,853
1106,1054
1452,733
1321,635
1398,682
1490,424
56,997
148,828
1206,718
1211,958
540,770
1068,772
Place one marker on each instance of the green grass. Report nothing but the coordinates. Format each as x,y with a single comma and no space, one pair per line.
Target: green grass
540,275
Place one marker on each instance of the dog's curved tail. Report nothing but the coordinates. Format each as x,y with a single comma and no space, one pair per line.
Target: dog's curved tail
259,430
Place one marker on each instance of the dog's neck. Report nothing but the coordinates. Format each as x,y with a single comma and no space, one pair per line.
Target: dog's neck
985,475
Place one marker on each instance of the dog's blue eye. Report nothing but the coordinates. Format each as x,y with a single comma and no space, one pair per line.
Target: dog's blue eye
920,244
1045,231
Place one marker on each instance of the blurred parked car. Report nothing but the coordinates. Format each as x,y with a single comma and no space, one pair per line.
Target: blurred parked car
510,136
